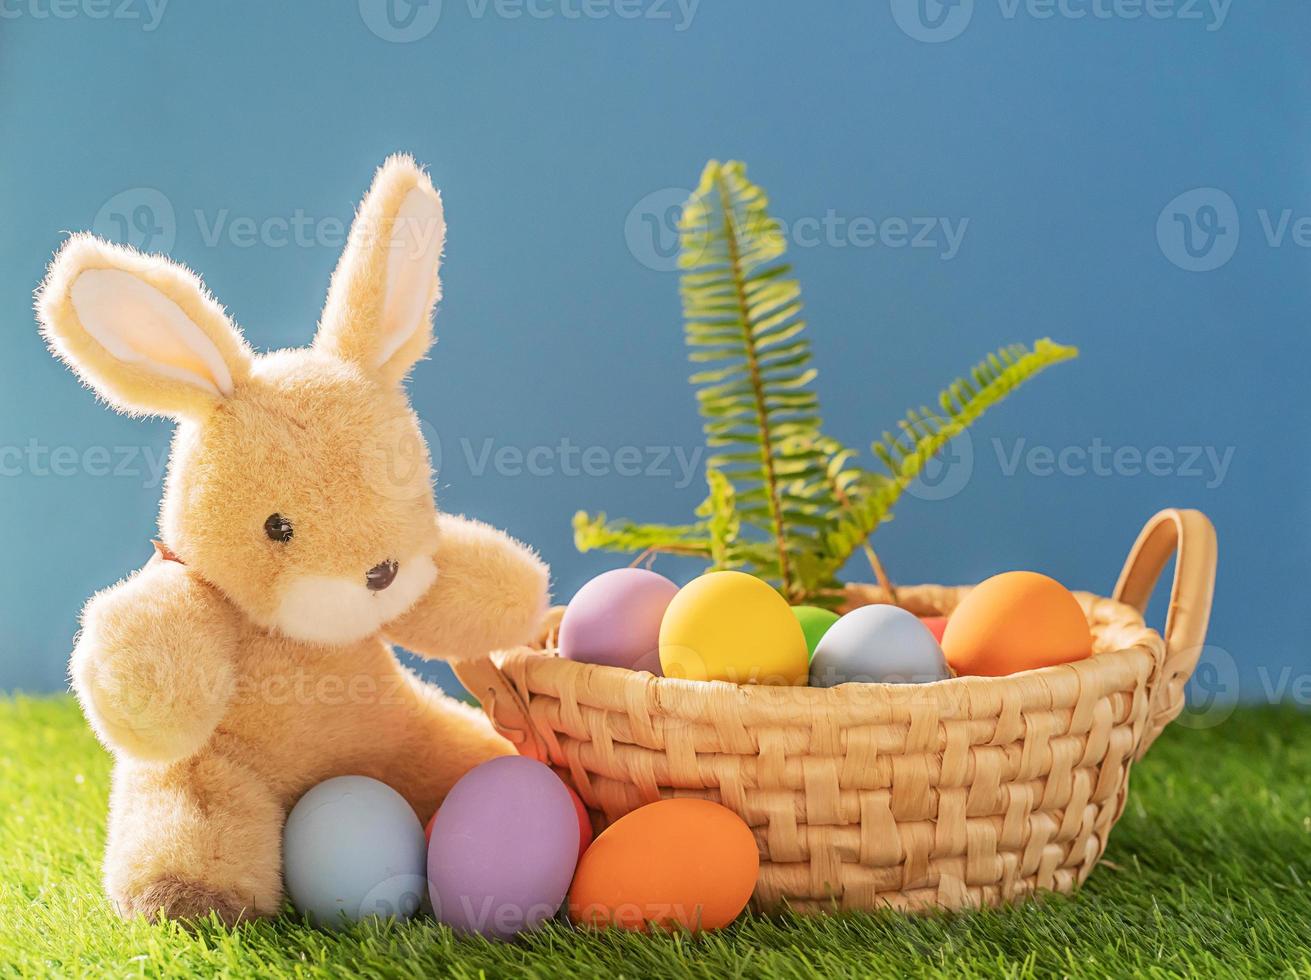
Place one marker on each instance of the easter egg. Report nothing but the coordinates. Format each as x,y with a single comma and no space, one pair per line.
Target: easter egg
584,823
504,847
730,626
937,625
353,847
878,644
1016,621
615,619
680,862
814,624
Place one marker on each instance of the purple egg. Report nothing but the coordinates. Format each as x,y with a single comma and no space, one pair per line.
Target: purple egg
504,847
615,619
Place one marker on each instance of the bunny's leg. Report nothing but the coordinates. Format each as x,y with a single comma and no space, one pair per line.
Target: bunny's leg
198,836
427,740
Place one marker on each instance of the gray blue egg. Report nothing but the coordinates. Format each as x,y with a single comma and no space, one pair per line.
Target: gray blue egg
878,644
354,848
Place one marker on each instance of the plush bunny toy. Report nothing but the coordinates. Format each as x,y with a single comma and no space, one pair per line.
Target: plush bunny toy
249,659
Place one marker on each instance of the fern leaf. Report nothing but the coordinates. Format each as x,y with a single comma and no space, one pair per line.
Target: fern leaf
744,330
868,498
596,532
785,502
722,520
925,432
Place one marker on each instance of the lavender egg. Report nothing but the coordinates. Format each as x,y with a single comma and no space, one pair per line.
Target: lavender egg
504,847
615,619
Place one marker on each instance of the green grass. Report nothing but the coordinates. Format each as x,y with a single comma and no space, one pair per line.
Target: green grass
1206,873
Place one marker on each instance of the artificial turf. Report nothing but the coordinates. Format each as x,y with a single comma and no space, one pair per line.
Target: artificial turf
1206,873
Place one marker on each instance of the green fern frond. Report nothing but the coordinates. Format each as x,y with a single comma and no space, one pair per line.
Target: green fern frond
596,532
784,502
721,519
867,498
923,433
743,326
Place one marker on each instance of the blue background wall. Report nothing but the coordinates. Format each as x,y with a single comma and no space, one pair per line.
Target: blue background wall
560,141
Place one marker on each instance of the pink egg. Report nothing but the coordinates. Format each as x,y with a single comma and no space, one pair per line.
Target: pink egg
584,822
937,625
615,619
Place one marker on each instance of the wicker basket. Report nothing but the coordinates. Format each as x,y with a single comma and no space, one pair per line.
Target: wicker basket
970,791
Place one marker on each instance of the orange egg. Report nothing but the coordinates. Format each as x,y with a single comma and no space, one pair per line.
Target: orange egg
679,862
1016,621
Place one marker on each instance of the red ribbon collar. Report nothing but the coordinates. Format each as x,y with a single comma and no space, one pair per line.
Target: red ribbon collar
165,552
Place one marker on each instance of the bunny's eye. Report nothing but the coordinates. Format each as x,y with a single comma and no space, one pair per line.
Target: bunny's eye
278,528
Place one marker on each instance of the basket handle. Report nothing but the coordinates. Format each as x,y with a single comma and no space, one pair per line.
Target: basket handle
1190,535
501,702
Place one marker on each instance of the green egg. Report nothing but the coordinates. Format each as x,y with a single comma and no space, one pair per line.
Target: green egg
814,624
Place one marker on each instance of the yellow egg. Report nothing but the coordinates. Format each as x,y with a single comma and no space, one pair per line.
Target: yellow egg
729,626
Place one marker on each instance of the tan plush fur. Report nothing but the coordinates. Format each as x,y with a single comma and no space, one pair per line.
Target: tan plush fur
230,681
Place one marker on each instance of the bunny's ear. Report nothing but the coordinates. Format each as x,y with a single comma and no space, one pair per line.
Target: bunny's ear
379,309
139,329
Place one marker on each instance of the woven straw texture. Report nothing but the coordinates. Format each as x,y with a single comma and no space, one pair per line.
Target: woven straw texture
970,791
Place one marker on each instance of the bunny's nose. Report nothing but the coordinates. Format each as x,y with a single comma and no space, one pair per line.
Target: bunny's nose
381,575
